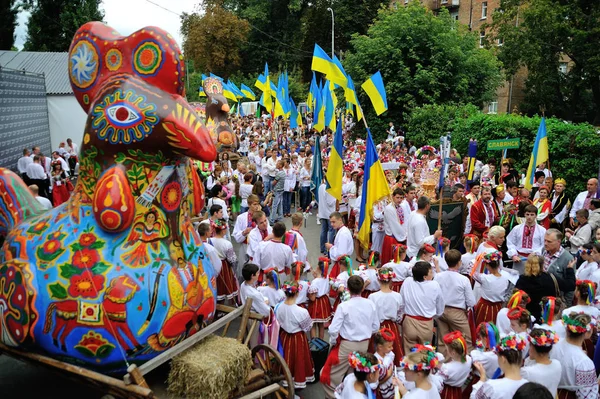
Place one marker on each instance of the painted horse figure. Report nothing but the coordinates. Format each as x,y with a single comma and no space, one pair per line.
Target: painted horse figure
112,315
93,266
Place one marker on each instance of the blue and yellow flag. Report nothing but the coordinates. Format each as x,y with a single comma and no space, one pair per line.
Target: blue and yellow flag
335,168
229,93
538,155
339,71
267,97
312,93
322,63
295,117
319,113
247,92
352,98
201,92
329,106
260,82
472,154
376,91
316,176
375,188
238,93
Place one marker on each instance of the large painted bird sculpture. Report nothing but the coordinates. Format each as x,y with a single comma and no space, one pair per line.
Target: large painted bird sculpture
117,274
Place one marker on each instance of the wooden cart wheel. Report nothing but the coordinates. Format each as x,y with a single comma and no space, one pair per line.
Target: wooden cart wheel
275,368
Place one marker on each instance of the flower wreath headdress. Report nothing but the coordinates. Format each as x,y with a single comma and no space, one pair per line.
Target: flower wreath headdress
386,274
548,338
576,326
492,257
511,342
360,363
430,363
291,287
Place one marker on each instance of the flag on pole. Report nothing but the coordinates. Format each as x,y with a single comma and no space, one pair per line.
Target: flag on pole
319,113
375,188
201,92
329,106
335,168
312,93
539,153
376,91
294,115
267,101
247,92
229,93
316,176
260,82
322,63
445,157
352,98
472,154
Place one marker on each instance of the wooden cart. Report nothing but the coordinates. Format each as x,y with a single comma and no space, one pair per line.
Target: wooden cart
266,378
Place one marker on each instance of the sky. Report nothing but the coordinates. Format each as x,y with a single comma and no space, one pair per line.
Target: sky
127,16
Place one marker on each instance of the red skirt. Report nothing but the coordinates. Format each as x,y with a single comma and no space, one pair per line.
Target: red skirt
298,358
486,311
451,392
227,284
365,293
320,309
396,285
565,394
469,388
337,301
60,194
386,249
397,348
588,348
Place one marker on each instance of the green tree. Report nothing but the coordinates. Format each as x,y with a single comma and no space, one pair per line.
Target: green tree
539,35
213,40
424,59
53,23
8,22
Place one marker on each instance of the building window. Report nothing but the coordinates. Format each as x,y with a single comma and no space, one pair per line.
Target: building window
454,15
481,38
562,67
483,9
493,107
500,42
444,1
405,1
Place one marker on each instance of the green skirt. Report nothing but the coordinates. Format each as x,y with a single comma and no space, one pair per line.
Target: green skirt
236,204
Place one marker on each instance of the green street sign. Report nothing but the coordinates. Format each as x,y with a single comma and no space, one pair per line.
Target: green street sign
503,144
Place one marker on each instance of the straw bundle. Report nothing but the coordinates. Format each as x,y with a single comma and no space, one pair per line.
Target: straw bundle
212,369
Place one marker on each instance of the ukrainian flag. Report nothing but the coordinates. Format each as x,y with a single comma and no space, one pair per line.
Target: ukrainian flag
375,188
539,153
335,169
228,92
267,100
247,92
352,98
295,117
322,63
201,92
312,93
319,114
339,70
235,89
329,106
260,82
376,92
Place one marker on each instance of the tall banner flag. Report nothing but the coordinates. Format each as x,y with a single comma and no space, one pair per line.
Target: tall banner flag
375,188
538,155
445,157
376,91
316,176
335,168
472,154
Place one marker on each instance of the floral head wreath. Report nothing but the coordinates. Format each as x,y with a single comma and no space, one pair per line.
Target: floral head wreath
492,336
591,290
324,265
429,248
576,326
547,338
218,224
291,287
386,274
516,299
430,363
492,257
387,334
360,363
516,313
457,336
511,342
397,250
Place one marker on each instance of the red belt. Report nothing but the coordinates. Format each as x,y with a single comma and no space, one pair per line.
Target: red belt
523,254
420,318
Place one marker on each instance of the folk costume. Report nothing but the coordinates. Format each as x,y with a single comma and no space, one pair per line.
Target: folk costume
454,372
255,237
274,254
343,245
243,222
483,215
396,228
523,240
227,283
493,289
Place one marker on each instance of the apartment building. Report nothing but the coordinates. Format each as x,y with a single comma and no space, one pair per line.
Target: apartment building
475,14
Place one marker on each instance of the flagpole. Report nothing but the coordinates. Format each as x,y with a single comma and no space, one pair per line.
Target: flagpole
441,187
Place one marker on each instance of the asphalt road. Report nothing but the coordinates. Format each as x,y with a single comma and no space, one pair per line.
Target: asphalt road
20,380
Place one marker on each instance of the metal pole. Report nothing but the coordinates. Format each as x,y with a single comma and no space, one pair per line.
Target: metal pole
332,32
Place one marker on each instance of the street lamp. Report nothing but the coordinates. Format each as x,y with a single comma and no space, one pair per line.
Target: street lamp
332,32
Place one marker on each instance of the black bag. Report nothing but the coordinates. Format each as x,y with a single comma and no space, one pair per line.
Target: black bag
319,350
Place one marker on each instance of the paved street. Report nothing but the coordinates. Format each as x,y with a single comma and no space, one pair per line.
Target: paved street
20,380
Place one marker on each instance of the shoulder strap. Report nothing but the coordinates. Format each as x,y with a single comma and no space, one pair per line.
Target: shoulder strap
555,284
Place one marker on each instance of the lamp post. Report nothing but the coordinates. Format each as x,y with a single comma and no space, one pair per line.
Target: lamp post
332,32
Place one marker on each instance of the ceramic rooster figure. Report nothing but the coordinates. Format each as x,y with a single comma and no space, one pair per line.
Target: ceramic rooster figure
117,274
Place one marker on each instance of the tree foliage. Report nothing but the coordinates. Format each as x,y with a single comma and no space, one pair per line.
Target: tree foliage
8,22
53,23
564,139
214,39
424,59
539,34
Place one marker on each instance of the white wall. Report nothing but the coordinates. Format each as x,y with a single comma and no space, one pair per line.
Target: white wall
67,120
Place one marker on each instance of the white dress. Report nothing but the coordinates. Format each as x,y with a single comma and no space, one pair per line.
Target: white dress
346,389
578,372
272,295
489,361
456,373
502,388
388,304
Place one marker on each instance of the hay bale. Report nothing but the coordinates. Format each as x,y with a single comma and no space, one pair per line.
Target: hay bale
212,369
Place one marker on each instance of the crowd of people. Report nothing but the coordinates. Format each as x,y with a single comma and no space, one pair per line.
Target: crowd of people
507,309
49,178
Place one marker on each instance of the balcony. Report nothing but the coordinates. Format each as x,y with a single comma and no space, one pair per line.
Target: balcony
437,4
